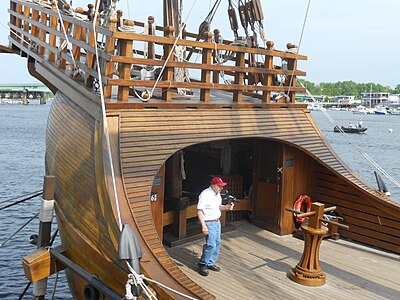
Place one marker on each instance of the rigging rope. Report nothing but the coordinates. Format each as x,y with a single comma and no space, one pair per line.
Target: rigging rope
66,37
37,193
138,280
17,231
365,155
298,48
103,110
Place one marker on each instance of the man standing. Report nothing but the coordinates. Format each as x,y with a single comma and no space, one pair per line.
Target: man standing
209,211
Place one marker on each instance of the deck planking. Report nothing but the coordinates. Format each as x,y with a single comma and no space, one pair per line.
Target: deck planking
255,263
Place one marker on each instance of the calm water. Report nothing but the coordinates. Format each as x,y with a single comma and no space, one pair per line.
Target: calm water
22,130
380,144
22,146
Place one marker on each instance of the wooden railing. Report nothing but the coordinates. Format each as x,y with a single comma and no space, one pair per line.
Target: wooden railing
37,31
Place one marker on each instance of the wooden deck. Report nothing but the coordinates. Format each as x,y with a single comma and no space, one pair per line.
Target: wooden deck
255,264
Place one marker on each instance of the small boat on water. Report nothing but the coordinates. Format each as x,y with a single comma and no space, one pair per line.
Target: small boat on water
351,128
135,151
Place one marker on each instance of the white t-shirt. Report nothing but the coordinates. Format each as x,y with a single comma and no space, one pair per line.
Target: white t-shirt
209,203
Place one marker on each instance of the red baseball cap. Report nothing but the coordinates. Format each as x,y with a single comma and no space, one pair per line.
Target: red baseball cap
218,181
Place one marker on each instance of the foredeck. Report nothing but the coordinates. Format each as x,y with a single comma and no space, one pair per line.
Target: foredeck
255,263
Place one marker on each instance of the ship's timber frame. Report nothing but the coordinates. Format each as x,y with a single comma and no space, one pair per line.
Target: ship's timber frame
145,135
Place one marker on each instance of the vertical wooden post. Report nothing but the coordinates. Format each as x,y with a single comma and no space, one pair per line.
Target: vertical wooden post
65,50
110,49
45,218
217,37
206,74
42,32
35,17
308,270
125,49
268,78
239,77
76,51
90,57
27,14
291,79
13,7
53,38
150,45
18,21
168,71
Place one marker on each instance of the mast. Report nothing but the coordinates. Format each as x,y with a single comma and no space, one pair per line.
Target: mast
171,14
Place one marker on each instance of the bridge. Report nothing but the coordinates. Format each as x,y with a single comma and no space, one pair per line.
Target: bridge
10,93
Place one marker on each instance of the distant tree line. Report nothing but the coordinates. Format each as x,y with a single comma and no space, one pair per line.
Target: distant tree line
348,88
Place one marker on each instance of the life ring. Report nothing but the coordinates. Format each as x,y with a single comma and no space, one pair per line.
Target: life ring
297,206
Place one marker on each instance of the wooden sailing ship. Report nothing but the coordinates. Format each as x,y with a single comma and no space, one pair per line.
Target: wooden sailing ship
130,141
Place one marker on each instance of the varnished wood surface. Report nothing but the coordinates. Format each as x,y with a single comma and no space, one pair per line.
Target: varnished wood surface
255,264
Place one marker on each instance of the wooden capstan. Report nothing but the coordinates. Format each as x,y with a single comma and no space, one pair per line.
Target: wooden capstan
308,271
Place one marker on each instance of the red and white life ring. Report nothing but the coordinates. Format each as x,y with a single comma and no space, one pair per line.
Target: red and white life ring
297,206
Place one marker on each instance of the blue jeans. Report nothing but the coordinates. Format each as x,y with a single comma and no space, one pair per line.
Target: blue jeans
212,245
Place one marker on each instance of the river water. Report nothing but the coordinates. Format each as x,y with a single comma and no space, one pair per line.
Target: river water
22,147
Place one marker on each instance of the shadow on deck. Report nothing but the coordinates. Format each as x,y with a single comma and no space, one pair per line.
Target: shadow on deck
255,263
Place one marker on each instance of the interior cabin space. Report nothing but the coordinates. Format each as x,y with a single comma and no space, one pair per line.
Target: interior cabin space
265,176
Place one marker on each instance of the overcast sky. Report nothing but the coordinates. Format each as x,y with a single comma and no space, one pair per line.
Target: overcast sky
344,39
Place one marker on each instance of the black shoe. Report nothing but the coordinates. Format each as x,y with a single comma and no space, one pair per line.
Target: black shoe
202,270
214,268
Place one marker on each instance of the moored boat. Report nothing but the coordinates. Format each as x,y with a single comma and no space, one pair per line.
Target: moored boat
360,110
135,150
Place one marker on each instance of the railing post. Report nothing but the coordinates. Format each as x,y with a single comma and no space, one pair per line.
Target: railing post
150,45
217,40
239,77
268,78
168,71
53,25
90,56
110,49
291,79
76,51
13,7
66,26
125,49
42,33
35,17
18,21
27,14
206,74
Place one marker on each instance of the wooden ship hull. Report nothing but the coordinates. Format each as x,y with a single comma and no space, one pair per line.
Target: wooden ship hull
128,167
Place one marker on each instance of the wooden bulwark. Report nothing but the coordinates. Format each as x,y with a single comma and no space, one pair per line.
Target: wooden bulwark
38,31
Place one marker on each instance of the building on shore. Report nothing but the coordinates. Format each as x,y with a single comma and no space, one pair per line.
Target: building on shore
379,98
